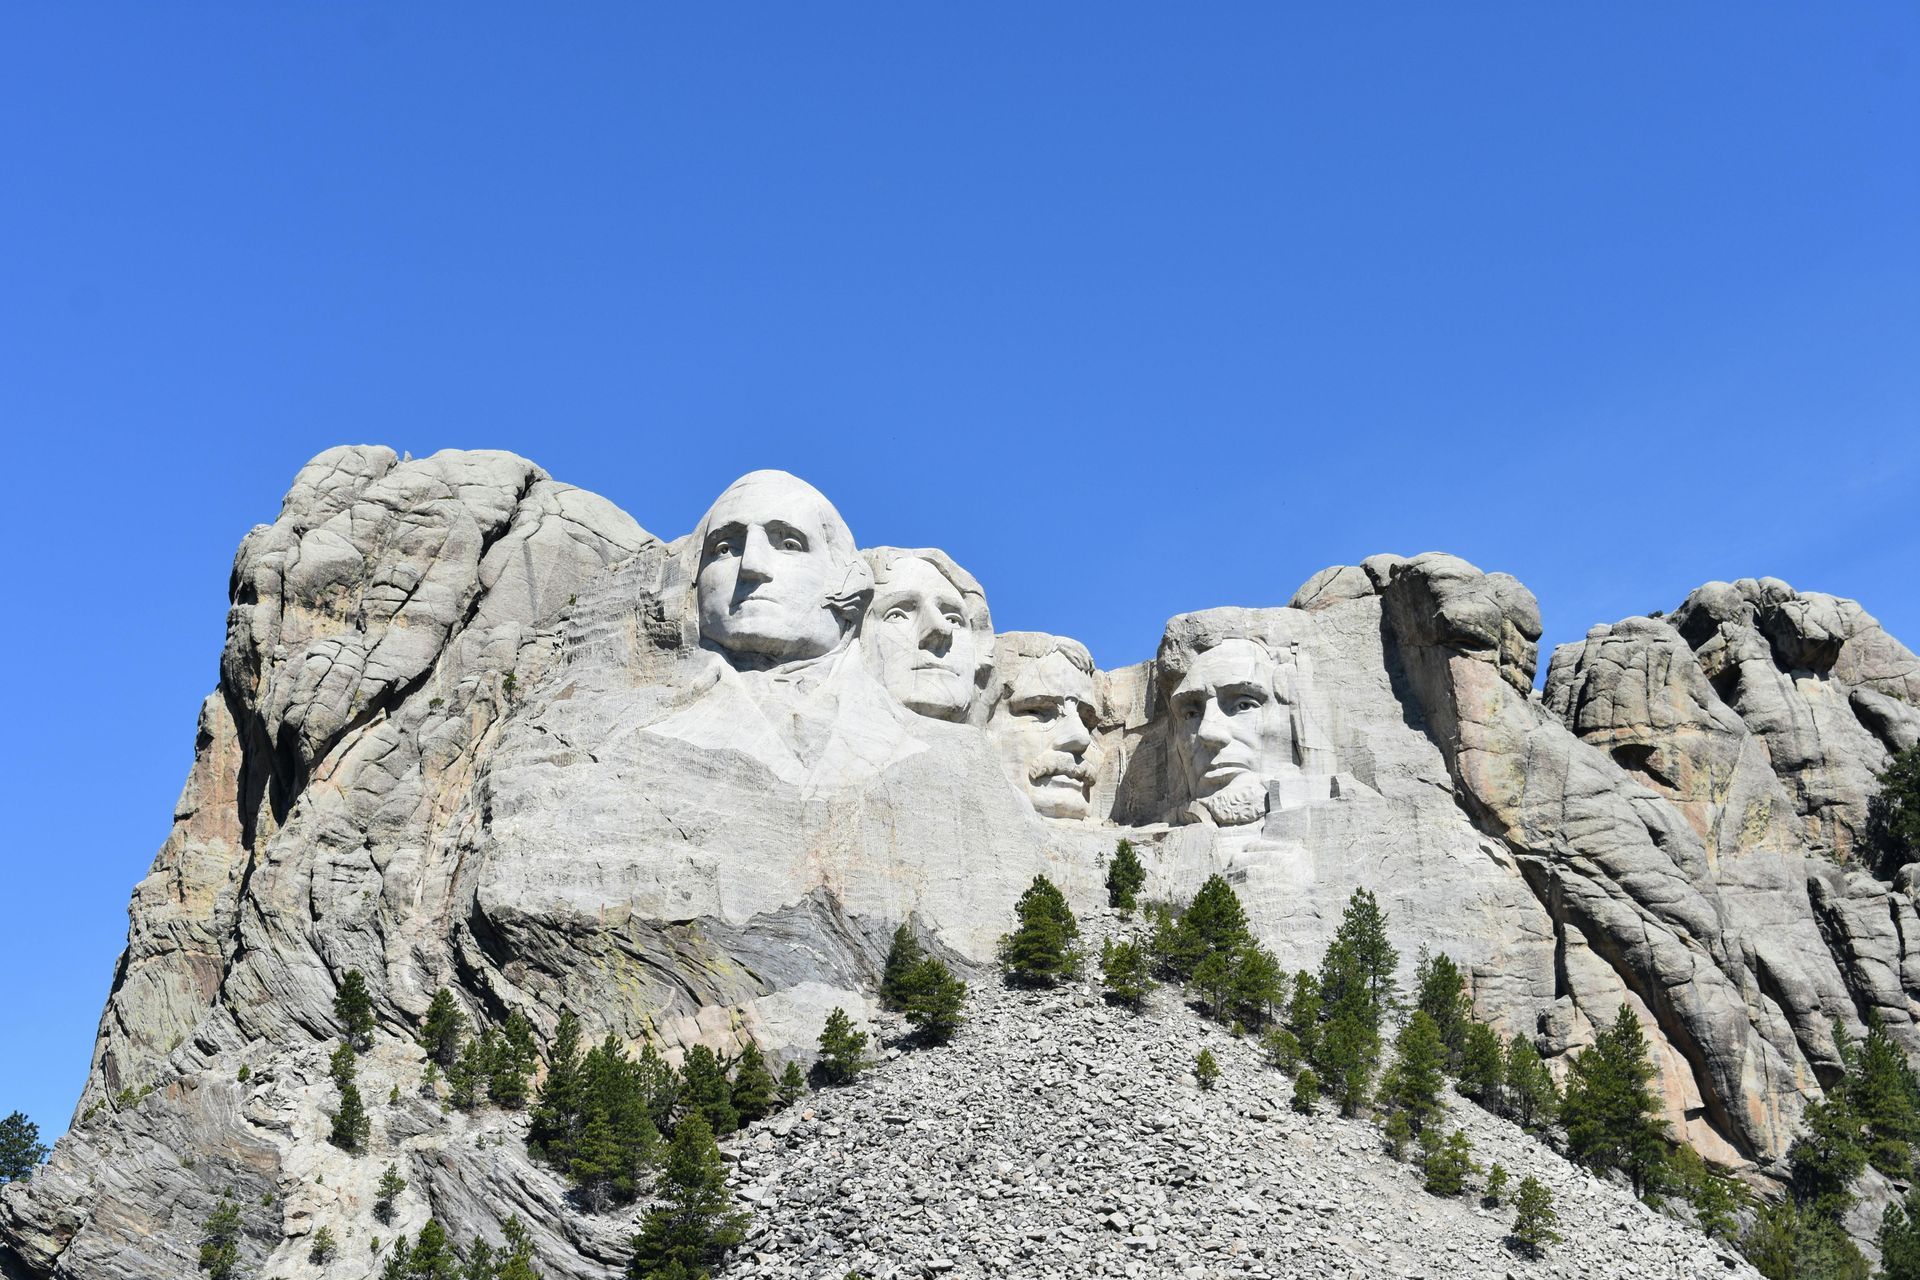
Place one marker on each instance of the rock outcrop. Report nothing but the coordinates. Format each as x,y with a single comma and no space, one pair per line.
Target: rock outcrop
480,730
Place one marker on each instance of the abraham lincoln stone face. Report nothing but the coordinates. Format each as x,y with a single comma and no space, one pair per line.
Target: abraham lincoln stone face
1231,733
775,560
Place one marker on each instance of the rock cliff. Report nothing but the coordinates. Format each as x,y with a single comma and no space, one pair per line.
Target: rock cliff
478,729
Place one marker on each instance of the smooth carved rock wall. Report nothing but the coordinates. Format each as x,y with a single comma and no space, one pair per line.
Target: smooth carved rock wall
471,731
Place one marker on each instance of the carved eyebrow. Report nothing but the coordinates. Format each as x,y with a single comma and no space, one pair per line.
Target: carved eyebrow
1245,688
732,530
781,529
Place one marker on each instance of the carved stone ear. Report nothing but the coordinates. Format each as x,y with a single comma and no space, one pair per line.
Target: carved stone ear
850,601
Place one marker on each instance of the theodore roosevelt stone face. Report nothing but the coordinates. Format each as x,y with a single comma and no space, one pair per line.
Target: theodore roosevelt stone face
921,628
1230,732
1044,729
774,558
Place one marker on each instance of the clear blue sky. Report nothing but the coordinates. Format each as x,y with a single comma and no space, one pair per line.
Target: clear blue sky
1134,309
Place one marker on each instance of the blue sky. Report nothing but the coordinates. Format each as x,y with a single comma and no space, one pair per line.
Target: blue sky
1134,309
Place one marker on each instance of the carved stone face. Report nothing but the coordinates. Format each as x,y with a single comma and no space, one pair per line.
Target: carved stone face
1230,732
773,552
919,632
1044,729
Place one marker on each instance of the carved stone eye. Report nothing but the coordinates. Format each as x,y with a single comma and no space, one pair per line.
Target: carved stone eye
792,544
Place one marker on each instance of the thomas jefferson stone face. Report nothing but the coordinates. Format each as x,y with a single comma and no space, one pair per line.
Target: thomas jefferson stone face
1230,732
1044,728
918,627
773,554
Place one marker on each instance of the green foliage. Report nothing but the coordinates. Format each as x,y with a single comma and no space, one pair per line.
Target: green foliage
510,1062
1824,1161
469,1072
392,1187
902,957
707,1090
1214,923
1412,1085
1282,1048
350,1123
1399,1131
433,1256
353,1006
1533,1218
323,1248
1496,1188
793,1084
1893,813
1124,972
1447,1161
1611,1114
550,1127
220,1241
1900,1239
1440,992
443,1028
1786,1242
695,1224
1125,877
1205,1069
1346,1055
244,1074
1357,971
753,1087
933,1000
842,1049
343,1066
595,1118
1713,1196
1532,1097
20,1148
1483,1066
1885,1094
1041,949
1303,1013
1306,1091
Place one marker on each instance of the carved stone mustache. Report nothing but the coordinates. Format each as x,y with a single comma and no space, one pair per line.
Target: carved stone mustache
1055,764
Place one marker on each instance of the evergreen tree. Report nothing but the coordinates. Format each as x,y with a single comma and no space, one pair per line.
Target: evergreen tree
1041,950
1828,1157
323,1248
512,1061
397,1259
1398,1131
707,1090
1482,1066
1212,978
1125,877
842,1049
1611,1115
599,1164
1440,992
1306,1091
1205,1069
903,957
350,1122
20,1148
1447,1161
516,1260
433,1257
1900,1239
658,1086
1885,1095
1303,1012
353,1006
1124,972
1346,1055
392,1187
934,1000
1254,985
1282,1048
343,1066
1496,1187
1357,971
1893,813
468,1074
753,1088
480,1263
443,1027
695,1224
1785,1242
552,1127
1713,1197
220,1241
1533,1218
1412,1085
1531,1093
793,1084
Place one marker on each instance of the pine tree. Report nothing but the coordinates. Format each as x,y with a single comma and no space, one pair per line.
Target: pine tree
793,1084
1496,1187
1123,972
1205,1069
1713,1196
433,1257
599,1162
350,1122
556,1113
1447,1161
480,1264
323,1248
1482,1066
1440,992
1893,813
1040,950
1412,1085
1306,1091
658,1086
1531,1093
343,1066
1346,1055
1398,1131
934,998
512,1062
1282,1048
516,1259
1213,978
443,1027
1828,1157
1358,969
1900,1239
468,1074
708,1091
695,1224
1125,877
902,957
392,1187
20,1148
353,1006
220,1241
1885,1094
1611,1115
1303,1012
753,1088
1255,985
842,1049
1533,1218
398,1258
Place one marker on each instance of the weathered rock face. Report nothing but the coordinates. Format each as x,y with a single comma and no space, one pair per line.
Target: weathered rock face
478,729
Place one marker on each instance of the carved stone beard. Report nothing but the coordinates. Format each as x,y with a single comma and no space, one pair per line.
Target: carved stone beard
1241,801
